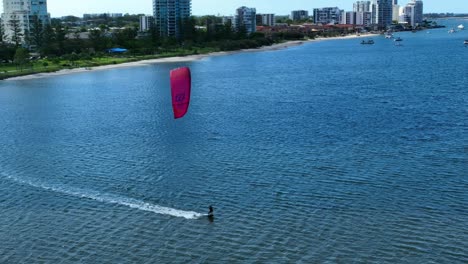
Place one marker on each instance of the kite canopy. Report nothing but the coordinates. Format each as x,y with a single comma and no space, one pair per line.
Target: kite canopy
180,90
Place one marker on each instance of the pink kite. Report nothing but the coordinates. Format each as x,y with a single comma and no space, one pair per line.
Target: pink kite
180,90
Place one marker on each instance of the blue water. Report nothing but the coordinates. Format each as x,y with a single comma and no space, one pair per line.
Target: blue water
328,152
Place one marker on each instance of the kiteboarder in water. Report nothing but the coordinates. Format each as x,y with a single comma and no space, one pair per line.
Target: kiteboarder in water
210,213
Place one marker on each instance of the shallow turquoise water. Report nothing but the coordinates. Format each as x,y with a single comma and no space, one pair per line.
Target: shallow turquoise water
329,152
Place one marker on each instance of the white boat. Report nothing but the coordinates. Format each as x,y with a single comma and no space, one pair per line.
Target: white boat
465,42
451,31
461,27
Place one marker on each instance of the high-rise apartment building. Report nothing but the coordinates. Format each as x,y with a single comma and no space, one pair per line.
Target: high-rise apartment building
21,14
146,22
170,15
362,6
327,15
297,15
395,12
413,12
246,17
364,18
382,13
266,19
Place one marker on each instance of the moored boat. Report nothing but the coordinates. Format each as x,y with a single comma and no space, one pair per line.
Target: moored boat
370,41
461,27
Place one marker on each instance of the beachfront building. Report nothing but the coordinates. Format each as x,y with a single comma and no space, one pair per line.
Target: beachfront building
19,17
413,13
362,6
170,15
246,19
265,20
146,22
382,13
364,19
395,12
327,15
363,13
348,18
297,15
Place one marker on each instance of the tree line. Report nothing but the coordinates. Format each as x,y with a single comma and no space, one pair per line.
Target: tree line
57,39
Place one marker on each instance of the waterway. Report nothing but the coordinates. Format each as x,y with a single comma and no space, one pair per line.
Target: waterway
328,152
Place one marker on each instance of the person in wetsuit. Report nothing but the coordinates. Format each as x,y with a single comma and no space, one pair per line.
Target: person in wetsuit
210,213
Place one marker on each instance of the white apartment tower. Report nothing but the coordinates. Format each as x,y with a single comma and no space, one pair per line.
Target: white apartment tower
266,19
327,15
246,17
363,12
22,14
362,6
169,16
413,13
146,22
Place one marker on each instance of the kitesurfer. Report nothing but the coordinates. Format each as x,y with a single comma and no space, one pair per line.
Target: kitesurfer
210,213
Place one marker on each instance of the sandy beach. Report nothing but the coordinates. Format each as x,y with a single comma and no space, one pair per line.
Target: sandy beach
273,47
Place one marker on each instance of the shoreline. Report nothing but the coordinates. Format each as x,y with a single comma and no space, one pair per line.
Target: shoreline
278,46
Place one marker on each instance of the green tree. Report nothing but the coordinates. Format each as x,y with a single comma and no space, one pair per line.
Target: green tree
2,32
188,31
36,31
60,37
17,33
125,37
21,58
48,46
97,40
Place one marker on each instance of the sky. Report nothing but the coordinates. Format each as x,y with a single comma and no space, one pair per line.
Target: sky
58,8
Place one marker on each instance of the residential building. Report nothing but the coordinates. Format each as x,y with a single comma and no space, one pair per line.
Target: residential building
382,12
299,15
364,18
170,15
362,6
327,15
395,12
21,14
246,18
265,20
349,18
413,13
228,20
146,22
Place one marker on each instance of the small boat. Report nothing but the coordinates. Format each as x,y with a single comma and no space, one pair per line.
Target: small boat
398,39
461,27
388,35
465,42
451,31
370,41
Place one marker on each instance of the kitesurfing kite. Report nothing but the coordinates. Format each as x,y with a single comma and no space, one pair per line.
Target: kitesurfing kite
180,90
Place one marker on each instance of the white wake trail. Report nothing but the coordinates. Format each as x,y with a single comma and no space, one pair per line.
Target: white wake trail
107,198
